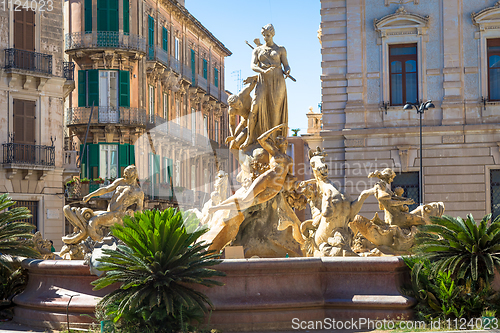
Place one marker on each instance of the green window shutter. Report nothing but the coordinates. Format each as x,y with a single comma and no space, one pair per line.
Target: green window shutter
93,87
124,77
126,17
102,15
82,88
165,39
205,68
83,163
216,77
93,160
193,66
164,165
113,15
88,15
123,158
132,154
151,31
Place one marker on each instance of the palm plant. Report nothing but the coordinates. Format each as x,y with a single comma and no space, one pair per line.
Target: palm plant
15,235
159,260
467,249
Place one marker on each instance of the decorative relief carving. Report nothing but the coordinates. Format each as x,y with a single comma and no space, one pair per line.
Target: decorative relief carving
349,143
401,2
453,139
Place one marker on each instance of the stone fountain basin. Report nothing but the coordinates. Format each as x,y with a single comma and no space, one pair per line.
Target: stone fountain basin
259,294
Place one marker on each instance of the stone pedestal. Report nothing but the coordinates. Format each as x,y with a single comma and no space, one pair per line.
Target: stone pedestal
50,286
267,294
258,295
259,234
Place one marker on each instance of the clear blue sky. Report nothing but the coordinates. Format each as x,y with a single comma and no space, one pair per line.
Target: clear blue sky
296,23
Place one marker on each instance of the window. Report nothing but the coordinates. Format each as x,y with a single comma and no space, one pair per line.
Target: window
403,73
216,77
164,43
205,68
108,89
205,125
33,207
24,122
193,176
177,173
408,181
216,131
176,53
495,193
165,106
24,30
126,17
193,120
151,37
107,15
177,111
108,161
103,88
193,66
494,69
151,103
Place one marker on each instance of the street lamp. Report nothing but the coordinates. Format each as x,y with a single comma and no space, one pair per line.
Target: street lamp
420,107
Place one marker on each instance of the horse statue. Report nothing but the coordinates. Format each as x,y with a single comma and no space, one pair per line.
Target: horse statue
328,233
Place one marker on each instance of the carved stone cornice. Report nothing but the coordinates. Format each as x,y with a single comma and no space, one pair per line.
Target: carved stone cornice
487,15
401,2
401,19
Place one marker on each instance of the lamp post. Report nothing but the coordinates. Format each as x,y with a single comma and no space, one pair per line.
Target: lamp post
420,107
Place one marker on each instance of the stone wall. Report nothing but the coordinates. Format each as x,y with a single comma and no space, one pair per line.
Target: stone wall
362,132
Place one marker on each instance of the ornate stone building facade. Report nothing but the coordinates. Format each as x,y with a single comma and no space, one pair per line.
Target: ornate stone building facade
34,82
155,76
377,55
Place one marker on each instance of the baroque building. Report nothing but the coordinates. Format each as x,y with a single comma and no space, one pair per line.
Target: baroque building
153,78
34,82
378,55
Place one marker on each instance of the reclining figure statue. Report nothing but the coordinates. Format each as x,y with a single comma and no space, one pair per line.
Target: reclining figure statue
88,223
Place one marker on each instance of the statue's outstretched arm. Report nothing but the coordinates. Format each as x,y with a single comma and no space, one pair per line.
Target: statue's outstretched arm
268,145
103,190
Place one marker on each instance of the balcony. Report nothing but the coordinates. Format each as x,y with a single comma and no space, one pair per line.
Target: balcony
28,157
70,164
202,82
105,39
69,70
29,61
175,64
187,73
106,115
214,91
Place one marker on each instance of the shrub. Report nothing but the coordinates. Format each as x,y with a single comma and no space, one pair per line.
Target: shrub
15,235
467,249
454,263
159,260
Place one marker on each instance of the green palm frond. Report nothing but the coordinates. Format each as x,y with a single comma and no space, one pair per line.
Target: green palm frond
15,235
157,266
466,248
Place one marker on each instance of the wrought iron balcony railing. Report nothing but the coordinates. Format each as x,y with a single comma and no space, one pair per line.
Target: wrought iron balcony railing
106,115
69,70
105,39
27,60
18,153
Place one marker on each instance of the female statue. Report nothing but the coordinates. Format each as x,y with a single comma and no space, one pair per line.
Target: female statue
269,105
